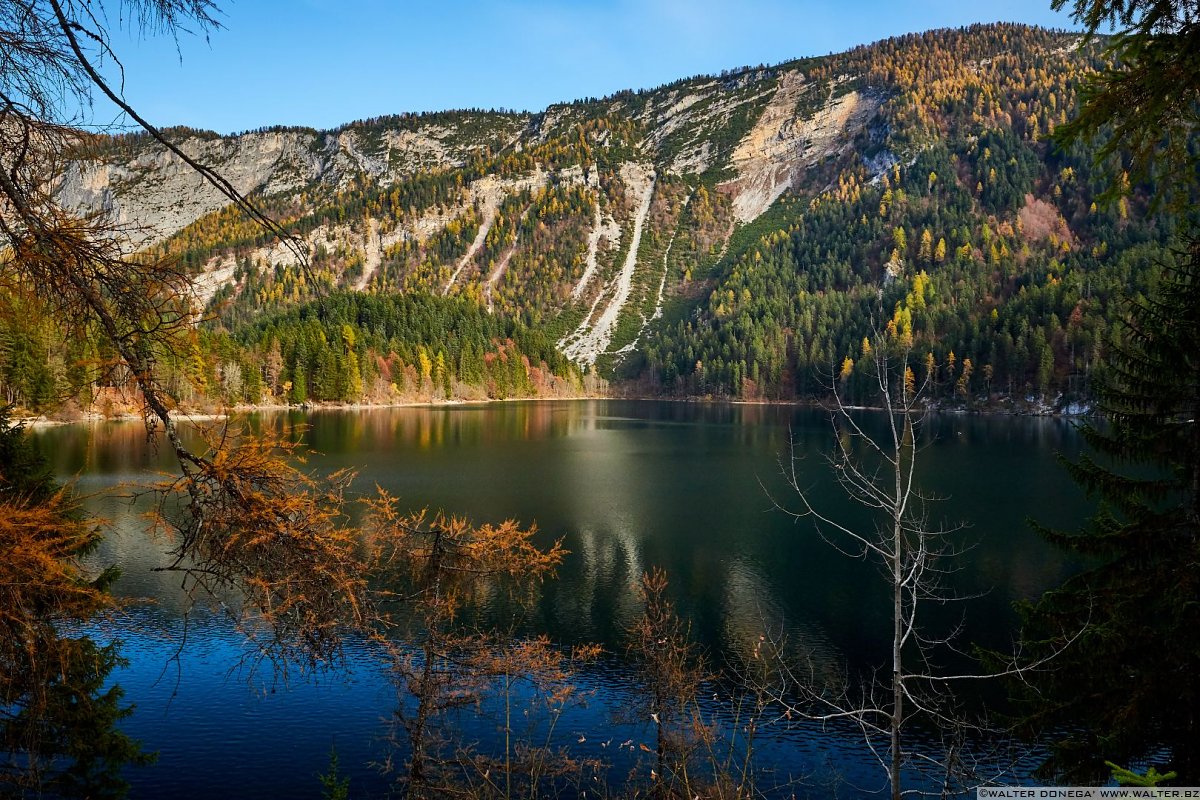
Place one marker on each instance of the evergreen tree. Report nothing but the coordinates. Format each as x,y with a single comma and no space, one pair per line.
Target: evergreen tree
1148,105
1128,689
1138,655
299,392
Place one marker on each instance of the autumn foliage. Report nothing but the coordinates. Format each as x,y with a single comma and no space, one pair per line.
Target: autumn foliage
254,524
56,716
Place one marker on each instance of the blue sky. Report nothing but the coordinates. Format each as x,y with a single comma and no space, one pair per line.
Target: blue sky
324,62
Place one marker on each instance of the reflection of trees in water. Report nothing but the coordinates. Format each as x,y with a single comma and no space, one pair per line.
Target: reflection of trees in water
610,456
434,427
752,607
57,718
59,722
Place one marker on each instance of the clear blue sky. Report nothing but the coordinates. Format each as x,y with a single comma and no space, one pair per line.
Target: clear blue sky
324,62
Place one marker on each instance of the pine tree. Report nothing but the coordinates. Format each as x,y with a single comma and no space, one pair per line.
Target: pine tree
299,392
1129,687
1133,677
1145,106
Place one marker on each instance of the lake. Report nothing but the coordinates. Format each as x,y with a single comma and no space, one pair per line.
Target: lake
627,485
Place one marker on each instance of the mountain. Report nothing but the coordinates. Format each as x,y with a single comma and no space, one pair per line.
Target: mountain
735,235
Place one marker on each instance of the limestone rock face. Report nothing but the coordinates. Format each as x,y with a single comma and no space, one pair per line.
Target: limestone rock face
751,136
156,194
753,125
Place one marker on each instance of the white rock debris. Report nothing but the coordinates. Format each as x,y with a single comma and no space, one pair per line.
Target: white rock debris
658,302
488,192
606,228
372,254
585,344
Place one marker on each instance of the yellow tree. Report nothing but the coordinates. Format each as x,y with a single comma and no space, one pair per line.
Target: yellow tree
925,252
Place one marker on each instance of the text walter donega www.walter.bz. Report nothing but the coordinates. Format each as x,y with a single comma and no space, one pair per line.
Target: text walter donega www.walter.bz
1088,792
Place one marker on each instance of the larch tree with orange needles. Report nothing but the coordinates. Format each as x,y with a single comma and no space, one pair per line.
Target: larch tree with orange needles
57,717
672,676
243,518
432,576
249,521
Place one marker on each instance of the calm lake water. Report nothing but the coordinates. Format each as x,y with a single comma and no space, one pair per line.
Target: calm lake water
628,486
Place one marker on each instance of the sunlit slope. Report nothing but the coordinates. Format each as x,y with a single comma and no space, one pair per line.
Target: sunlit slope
736,234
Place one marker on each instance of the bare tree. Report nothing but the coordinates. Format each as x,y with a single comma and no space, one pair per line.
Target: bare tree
914,555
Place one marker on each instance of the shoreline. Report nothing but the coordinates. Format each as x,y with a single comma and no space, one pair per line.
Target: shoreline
94,418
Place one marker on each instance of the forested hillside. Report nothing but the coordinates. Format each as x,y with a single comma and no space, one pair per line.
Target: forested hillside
738,235
986,247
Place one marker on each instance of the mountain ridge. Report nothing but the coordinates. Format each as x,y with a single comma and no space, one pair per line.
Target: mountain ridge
621,227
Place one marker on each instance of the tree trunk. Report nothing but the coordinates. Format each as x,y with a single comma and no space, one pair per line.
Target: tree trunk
897,610
897,679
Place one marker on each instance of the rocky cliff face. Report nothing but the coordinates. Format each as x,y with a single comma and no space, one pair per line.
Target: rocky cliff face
143,185
149,187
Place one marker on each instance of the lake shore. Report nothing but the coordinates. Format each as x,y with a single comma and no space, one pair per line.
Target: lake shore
1005,407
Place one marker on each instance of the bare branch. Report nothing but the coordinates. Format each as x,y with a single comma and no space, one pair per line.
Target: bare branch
879,473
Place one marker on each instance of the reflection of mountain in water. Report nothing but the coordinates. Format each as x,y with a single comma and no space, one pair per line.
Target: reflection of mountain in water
753,611
628,486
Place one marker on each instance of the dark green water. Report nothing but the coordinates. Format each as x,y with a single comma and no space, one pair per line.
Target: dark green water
628,486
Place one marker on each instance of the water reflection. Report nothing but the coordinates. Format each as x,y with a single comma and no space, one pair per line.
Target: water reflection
629,486
634,485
